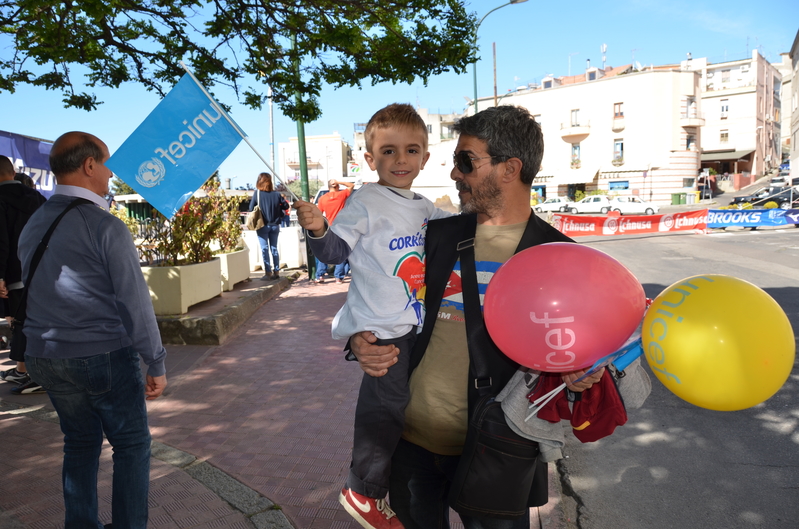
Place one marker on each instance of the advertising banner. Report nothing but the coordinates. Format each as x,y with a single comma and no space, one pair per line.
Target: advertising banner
613,224
177,147
749,218
30,156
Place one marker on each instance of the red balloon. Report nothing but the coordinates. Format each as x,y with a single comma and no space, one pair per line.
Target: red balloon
561,306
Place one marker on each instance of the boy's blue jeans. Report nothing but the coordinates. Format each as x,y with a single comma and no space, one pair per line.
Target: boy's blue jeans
92,396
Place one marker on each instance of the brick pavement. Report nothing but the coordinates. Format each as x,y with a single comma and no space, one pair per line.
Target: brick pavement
271,408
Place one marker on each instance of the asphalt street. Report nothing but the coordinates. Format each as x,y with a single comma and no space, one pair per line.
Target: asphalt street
675,465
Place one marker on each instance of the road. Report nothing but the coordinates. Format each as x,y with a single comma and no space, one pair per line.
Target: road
675,465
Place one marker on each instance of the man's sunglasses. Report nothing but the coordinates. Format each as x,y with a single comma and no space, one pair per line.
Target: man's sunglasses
463,161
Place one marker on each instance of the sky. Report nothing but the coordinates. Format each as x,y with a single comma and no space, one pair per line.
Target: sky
533,39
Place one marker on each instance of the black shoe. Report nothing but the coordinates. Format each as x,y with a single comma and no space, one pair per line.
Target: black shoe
12,375
29,388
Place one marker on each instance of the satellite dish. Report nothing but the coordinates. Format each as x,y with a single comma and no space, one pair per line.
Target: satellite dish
638,66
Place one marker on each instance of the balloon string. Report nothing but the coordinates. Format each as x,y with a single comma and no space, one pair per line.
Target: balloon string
543,400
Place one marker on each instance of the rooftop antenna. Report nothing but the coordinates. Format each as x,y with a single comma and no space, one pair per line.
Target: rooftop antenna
603,49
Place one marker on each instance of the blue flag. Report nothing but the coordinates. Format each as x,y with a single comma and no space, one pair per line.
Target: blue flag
177,148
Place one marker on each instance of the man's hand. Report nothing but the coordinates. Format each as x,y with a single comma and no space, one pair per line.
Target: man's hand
3,289
584,384
373,359
310,217
154,386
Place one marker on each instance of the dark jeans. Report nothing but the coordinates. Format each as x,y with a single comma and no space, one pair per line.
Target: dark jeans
420,482
379,421
18,342
267,237
96,395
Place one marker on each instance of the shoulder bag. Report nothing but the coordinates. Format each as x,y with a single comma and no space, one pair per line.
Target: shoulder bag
497,468
18,320
255,220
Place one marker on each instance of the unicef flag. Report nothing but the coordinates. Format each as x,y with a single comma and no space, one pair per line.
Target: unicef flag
177,148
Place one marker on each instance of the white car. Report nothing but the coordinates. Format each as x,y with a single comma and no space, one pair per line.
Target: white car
552,204
633,206
779,181
591,204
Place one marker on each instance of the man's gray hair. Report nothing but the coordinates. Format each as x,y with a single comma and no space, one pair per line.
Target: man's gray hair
509,132
65,161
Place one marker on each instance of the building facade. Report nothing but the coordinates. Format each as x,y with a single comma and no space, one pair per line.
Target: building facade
794,148
787,103
742,109
326,157
617,130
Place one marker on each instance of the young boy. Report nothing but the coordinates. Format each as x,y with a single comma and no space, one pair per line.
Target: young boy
381,230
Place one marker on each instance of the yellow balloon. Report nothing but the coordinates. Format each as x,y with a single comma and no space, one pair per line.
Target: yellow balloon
718,342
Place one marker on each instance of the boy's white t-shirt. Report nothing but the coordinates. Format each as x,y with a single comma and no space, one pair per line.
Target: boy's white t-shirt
386,232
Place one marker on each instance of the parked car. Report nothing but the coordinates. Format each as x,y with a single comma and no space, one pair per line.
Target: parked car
778,181
785,197
591,204
633,206
786,166
552,204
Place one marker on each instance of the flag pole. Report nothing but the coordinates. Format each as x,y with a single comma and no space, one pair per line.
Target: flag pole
236,127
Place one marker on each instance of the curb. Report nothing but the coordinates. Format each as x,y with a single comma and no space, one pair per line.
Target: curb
214,329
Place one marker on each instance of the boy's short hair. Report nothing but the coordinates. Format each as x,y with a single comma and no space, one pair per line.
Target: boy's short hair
394,115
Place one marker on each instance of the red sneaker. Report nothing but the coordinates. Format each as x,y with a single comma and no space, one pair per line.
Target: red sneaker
369,512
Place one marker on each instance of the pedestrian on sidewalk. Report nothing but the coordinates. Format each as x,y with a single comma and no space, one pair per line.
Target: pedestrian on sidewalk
17,203
498,154
273,207
89,319
381,230
330,204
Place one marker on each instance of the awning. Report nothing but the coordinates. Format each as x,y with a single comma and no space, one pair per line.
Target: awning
576,176
724,156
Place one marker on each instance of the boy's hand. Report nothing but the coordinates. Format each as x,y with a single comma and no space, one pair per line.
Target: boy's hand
310,217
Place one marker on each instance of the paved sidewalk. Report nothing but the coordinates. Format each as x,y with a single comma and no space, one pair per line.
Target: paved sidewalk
266,417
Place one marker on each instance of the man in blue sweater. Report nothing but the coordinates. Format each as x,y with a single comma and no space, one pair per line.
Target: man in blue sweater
89,319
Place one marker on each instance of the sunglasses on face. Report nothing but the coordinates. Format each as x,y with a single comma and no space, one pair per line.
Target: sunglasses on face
463,161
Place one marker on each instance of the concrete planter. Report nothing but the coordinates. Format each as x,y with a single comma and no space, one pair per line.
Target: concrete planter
173,289
235,267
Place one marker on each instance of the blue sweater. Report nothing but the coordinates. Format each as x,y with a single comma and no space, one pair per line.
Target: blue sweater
88,295
273,206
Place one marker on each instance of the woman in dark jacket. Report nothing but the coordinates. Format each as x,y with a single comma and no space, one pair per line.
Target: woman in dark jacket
273,206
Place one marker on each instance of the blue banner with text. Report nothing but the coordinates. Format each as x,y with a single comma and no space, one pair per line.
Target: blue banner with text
176,148
722,218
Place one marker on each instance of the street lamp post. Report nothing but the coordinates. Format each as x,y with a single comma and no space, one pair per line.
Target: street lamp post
474,67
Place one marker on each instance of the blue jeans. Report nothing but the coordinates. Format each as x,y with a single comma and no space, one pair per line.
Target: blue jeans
95,395
267,236
339,272
420,482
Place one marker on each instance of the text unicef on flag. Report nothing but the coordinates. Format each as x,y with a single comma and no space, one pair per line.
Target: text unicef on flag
176,148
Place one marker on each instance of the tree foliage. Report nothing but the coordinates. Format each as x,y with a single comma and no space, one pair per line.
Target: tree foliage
119,187
248,45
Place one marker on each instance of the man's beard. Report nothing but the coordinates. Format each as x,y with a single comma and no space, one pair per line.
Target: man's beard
485,198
